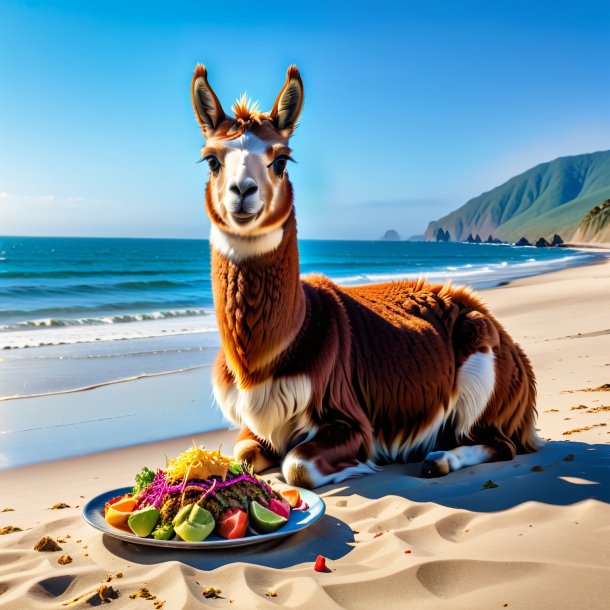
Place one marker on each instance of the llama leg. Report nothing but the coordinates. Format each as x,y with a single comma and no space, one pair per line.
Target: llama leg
476,380
249,449
496,447
439,463
335,453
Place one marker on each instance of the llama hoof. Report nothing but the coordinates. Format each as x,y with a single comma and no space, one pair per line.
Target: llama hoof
430,470
250,451
297,471
436,464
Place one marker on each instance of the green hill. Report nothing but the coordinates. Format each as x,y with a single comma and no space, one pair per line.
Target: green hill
550,198
595,226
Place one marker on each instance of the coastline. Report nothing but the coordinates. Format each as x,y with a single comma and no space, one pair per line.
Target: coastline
113,416
104,384
79,411
540,539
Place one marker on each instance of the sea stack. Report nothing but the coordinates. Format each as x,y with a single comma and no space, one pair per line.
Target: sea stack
556,241
391,235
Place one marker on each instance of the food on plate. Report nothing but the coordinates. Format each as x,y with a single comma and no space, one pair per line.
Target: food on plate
195,525
142,522
118,512
234,524
263,519
197,493
293,496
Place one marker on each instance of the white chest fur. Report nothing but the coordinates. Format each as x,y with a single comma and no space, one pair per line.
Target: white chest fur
275,410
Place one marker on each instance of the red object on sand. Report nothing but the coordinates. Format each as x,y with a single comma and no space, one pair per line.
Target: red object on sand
320,565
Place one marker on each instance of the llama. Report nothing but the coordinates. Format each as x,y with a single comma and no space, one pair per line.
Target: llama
334,381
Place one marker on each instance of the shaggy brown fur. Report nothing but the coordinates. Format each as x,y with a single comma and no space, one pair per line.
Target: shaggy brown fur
383,359
381,364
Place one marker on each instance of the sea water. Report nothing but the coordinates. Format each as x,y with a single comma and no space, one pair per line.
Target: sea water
77,313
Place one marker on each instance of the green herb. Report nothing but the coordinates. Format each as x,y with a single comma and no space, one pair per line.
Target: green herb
163,532
235,468
143,479
490,485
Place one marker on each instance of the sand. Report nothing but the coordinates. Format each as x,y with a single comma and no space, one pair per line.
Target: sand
540,539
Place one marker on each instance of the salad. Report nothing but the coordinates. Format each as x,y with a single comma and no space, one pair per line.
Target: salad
200,492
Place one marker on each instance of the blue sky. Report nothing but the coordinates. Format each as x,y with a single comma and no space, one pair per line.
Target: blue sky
410,108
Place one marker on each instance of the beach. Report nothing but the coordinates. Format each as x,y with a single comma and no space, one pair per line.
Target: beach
538,539
131,324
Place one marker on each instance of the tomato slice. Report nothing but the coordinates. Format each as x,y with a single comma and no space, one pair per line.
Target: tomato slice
233,524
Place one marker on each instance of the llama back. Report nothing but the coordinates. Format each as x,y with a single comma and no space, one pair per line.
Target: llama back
511,411
326,378
415,348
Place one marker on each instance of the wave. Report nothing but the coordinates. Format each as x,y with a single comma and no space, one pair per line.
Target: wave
505,270
113,355
97,320
69,273
80,289
102,384
103,308
24,340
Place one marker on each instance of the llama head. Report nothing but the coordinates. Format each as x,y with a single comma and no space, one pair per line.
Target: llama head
248,192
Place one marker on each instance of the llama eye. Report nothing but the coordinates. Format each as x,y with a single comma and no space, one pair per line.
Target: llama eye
213,163
279,165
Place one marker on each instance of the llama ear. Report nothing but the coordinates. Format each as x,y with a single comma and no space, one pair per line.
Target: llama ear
207,108
287,107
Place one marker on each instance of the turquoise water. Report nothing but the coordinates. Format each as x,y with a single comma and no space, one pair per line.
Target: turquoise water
83,312
55,281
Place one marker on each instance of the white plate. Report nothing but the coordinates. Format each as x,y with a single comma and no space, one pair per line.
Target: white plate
93,514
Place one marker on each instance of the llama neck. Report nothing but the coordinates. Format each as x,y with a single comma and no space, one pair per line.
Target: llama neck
259,301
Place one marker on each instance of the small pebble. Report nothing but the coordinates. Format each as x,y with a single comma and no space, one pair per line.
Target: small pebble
46,543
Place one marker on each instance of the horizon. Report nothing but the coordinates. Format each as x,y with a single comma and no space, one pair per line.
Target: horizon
103,142
381,238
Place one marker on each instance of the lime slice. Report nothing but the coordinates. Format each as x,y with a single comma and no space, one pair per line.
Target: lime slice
264,520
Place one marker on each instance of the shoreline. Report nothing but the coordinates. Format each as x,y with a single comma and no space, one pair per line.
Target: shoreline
143,386
538,538
188,391
111,417
169,346
106,383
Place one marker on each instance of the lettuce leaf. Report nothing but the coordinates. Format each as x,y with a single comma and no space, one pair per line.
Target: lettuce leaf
143,479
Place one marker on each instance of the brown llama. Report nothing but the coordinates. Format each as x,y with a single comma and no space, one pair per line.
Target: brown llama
332,381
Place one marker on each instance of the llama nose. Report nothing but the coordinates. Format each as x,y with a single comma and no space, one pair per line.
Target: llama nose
244,188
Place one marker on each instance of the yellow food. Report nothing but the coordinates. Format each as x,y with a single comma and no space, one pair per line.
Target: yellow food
198,463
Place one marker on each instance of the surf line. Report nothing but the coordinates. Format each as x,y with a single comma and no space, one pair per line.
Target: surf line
106,383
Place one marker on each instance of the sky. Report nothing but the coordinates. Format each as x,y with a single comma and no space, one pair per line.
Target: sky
411,108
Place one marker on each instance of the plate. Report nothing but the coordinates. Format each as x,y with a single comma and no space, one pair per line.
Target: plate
93,514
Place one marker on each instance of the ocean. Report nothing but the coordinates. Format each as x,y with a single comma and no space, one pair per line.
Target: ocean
77,313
